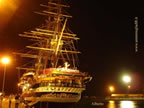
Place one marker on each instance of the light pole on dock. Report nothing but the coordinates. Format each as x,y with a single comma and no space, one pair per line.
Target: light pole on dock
5,61
111,89
127,79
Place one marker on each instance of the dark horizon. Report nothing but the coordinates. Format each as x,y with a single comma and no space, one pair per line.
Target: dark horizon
107,42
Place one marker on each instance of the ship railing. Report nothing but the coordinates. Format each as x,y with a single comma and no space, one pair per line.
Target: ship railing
65,95
61,85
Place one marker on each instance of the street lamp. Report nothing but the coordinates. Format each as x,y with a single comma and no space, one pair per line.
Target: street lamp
5,61
127,80
111,89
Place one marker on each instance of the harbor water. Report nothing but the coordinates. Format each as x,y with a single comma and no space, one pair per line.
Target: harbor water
111,104
84,103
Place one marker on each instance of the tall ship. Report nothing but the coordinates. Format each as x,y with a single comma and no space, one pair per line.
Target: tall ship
51,73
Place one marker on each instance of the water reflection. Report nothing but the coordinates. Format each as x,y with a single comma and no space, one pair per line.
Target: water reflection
111,104
121,104
127,104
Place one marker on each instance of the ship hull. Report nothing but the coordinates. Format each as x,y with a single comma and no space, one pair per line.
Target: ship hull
31,99
52,99
52,94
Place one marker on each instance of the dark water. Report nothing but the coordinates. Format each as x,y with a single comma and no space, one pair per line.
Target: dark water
88,103
85,103
110,104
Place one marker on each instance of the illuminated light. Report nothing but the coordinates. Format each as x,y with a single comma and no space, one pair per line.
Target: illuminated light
30,89
129,86
28,85
111,88
24,87
5,60
127,104
127,79
0,93
18,84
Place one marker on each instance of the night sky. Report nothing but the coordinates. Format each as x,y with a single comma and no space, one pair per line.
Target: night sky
106,33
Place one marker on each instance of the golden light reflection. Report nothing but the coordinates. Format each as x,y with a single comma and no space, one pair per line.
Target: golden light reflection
127,104
111,104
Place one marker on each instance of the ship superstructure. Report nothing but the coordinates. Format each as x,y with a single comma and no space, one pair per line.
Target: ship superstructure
52,74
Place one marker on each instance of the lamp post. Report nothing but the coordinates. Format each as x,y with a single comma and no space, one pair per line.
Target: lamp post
111,89
127,79
5,61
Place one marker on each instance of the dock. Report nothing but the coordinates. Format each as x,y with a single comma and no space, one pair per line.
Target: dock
120,97
10,102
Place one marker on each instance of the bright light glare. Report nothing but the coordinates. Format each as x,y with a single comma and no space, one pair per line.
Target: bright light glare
127,104
127,79
0,93
5,60
111,104
111,88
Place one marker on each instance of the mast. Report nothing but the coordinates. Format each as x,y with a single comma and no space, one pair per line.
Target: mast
53,41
